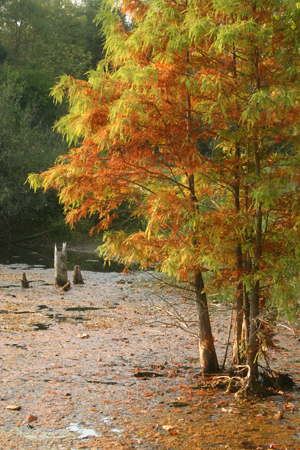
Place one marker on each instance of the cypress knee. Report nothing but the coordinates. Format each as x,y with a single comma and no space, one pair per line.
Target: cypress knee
24,281
77,277
60,266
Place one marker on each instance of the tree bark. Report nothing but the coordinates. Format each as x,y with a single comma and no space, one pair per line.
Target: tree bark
247,268
253,338
239,254
239,266
236,352
252,359
246,321
254,307
208,357
207,352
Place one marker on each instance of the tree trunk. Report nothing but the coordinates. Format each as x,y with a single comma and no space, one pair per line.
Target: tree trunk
239,266
207,352
246,321
254,307
252,359
60,266
236,353
248,269
208,357
253,338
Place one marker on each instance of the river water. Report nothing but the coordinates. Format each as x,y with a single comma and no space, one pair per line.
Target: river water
44,258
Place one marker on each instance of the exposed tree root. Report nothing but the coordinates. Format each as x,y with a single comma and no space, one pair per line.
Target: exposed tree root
240,382
236,381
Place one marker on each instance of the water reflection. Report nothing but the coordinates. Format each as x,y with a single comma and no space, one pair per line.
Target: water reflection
44,258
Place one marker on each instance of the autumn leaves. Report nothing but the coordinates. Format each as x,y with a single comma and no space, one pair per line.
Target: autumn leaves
193,121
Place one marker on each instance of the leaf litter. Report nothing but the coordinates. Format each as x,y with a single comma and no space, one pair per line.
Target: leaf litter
111,376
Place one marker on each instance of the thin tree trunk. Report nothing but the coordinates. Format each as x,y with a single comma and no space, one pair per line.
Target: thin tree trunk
248,269
254,307
252,359
207,352
208,357
246,321
253,338
236,352
239,266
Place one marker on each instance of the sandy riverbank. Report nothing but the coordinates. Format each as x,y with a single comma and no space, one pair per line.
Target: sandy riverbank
69,363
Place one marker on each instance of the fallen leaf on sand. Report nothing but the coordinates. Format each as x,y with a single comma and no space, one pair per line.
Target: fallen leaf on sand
228,410
31,418
170,429
14,407
83,336
167,427
278,416
290,406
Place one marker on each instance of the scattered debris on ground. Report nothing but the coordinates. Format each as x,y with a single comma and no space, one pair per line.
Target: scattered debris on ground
93,368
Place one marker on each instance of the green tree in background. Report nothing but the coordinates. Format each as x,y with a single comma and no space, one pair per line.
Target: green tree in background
40,40
90,33
58,37
23,146
44,39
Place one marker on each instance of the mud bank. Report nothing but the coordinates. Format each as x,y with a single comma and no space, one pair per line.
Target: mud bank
96,368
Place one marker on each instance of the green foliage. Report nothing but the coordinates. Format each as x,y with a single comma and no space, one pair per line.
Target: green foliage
53,36
46,39
23,147
36,86
3,53
40,40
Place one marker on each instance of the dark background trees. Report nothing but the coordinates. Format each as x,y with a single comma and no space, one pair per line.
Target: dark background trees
51,35
40,40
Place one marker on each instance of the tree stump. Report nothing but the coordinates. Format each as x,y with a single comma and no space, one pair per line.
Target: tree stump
60,266
24,281
77,277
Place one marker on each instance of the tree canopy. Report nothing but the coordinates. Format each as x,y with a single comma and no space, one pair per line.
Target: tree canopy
192,119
